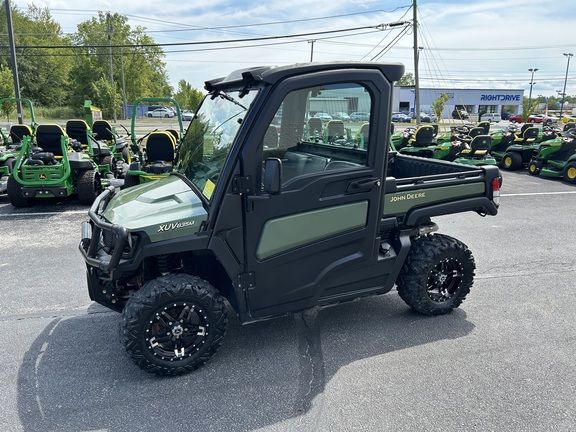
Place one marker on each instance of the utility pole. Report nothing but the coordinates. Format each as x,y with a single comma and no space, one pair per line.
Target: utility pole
531,84
311,42
568,56
123,84
13,60
110,29
416,55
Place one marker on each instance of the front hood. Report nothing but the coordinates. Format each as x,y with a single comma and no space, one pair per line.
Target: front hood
164,209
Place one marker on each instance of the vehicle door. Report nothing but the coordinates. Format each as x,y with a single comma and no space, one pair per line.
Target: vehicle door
317,238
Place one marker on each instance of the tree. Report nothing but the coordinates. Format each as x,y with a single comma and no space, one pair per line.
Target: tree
43,72
144,70
6,90
527,108
406,80
188,97
438,105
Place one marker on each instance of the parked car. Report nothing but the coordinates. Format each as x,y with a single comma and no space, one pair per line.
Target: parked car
491,117
400,117
160,112
360,116
515,118
460,114
187,115
325,117
541,118
426,118
341,116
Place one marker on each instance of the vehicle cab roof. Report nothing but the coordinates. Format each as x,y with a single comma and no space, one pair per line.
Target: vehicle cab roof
271,74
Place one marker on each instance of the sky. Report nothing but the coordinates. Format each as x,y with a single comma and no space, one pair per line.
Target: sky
485,44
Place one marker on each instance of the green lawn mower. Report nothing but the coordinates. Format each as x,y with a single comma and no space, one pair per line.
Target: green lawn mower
516,151
12,142
155,159
556,158
50,168
418,142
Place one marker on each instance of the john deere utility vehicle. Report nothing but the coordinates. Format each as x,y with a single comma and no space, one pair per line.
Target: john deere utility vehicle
278,223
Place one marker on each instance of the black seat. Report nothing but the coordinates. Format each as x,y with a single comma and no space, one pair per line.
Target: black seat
103,130
271,137
160,146
315,128
479,146
423,136
49,137
475,131
335,129
78,130
18,132
485,125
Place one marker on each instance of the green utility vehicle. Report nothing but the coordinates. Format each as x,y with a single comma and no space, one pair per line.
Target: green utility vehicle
274,223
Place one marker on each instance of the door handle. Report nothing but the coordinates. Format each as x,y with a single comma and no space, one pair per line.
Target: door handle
363,185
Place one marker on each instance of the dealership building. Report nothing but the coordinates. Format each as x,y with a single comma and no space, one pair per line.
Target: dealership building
473,100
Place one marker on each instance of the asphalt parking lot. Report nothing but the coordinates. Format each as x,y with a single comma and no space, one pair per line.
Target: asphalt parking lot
503,361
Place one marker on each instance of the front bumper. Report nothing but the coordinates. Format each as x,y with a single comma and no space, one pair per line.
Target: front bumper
92,242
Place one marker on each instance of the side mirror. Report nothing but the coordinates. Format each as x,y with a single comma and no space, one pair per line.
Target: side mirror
273,176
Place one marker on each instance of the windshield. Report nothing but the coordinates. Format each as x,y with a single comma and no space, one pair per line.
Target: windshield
209,139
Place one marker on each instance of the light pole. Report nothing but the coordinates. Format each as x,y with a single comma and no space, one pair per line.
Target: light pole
568,56
531,84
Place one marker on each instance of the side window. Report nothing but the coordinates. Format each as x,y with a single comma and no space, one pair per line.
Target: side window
319,129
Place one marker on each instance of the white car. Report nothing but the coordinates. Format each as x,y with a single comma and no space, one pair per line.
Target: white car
160,113
187,115
325,117
491,117
341,116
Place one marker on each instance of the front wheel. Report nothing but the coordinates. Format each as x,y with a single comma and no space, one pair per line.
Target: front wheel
570,172
15,195
173,324
437,275
534,168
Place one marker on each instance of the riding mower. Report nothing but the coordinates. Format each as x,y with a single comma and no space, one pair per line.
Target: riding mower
12,142
466,149
105,133
556,158
157,158
50,167
418,142
517,150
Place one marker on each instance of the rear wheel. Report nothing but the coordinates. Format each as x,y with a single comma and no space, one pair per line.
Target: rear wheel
14,190
126,155
570,172
88,186
173,324
512,161
437,275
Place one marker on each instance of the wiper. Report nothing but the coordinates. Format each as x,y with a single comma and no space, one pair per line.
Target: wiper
231,99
